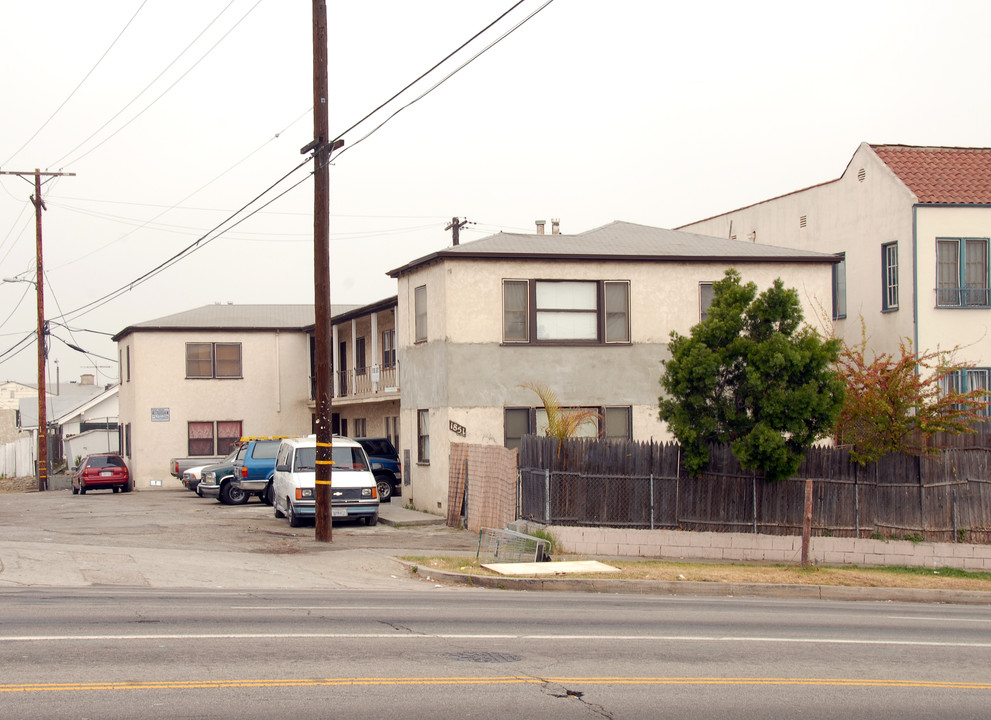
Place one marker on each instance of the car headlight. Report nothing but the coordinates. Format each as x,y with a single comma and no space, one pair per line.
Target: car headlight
366,492
210,476
304,493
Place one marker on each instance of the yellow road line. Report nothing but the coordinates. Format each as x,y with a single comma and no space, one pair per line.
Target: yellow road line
507,680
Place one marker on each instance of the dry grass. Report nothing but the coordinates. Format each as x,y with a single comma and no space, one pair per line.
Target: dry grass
942,578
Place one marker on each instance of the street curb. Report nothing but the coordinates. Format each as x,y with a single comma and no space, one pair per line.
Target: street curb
702,589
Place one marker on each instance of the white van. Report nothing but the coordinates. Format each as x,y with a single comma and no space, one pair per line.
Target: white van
354,494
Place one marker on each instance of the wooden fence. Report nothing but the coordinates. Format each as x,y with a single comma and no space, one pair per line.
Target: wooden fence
941,498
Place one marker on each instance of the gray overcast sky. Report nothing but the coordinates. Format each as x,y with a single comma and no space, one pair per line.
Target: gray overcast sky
648,111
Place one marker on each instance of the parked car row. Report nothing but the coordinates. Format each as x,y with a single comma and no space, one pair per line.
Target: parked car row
281,472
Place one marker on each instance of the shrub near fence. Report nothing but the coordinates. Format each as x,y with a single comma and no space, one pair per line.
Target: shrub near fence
585,482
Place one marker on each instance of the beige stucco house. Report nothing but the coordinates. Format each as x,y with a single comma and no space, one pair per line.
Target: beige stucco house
193,382
913,225
587,315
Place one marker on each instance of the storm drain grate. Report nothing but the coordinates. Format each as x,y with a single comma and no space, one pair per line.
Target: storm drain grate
483,657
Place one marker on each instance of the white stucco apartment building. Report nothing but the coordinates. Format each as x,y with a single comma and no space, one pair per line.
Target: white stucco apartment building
587,315
913,225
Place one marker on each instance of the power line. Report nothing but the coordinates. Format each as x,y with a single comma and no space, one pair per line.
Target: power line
449,75
146,87
200,243
166,91
45,124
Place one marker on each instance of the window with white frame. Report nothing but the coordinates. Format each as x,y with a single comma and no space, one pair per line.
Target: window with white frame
839,288
706,294
962,272
566,311
423,436
388,348
889,279
420,314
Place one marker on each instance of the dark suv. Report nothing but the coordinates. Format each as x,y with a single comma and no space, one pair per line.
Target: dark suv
386,468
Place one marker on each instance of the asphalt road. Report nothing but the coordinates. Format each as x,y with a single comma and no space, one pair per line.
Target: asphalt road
456,652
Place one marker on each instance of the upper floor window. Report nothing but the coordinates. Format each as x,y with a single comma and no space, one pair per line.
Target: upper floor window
388,348
966,380
889,278
420,314
566,311
962,272
839,288
213,360
359,356
706,294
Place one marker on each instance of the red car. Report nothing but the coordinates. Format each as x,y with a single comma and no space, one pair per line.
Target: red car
100,471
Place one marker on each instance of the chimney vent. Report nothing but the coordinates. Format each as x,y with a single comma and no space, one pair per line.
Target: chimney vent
540,226
555,227
87,379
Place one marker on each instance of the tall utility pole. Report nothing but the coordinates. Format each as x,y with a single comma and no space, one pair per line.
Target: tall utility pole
455,226
321,276
39,284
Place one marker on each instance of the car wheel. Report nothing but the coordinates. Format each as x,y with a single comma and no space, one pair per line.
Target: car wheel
384,488
75,490
116,489
231,495
82,489
294,519
278,513
126,488
268,497
372,520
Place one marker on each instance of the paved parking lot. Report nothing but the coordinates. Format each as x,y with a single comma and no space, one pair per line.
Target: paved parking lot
173,538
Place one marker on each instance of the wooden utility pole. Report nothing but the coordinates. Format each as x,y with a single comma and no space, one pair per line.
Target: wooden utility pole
321,276
455,227
807,523
39,284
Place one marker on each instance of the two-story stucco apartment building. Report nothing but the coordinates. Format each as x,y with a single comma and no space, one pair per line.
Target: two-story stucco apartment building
587,315
913,226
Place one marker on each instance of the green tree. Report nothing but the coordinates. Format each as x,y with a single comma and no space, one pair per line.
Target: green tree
751,375
896,402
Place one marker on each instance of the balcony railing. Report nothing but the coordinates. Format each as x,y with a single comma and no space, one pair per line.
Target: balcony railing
367,381
957,297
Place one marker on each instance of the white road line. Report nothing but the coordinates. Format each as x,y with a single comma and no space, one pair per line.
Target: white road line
483,636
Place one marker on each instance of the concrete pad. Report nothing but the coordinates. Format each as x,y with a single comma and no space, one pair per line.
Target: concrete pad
392,513
550,568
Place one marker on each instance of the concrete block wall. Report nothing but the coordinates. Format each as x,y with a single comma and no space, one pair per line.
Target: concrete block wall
749,547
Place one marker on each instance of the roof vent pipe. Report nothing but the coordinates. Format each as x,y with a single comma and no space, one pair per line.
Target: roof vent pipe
555,227
540,226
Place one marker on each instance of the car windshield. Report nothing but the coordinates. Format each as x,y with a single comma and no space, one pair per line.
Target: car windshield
379,446
105,461
345,458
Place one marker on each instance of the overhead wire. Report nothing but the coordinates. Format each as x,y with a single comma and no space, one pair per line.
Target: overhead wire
453,72
192,194
204,239
198,244
146,87
85,78
167,90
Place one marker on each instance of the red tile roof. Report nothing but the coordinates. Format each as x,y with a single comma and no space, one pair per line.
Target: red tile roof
941,174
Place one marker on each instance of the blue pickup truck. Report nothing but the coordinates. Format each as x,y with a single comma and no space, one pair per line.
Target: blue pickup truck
386,468
253,470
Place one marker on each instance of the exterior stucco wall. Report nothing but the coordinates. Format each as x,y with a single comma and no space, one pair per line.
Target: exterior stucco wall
945,328
850,215
465,375
270,398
